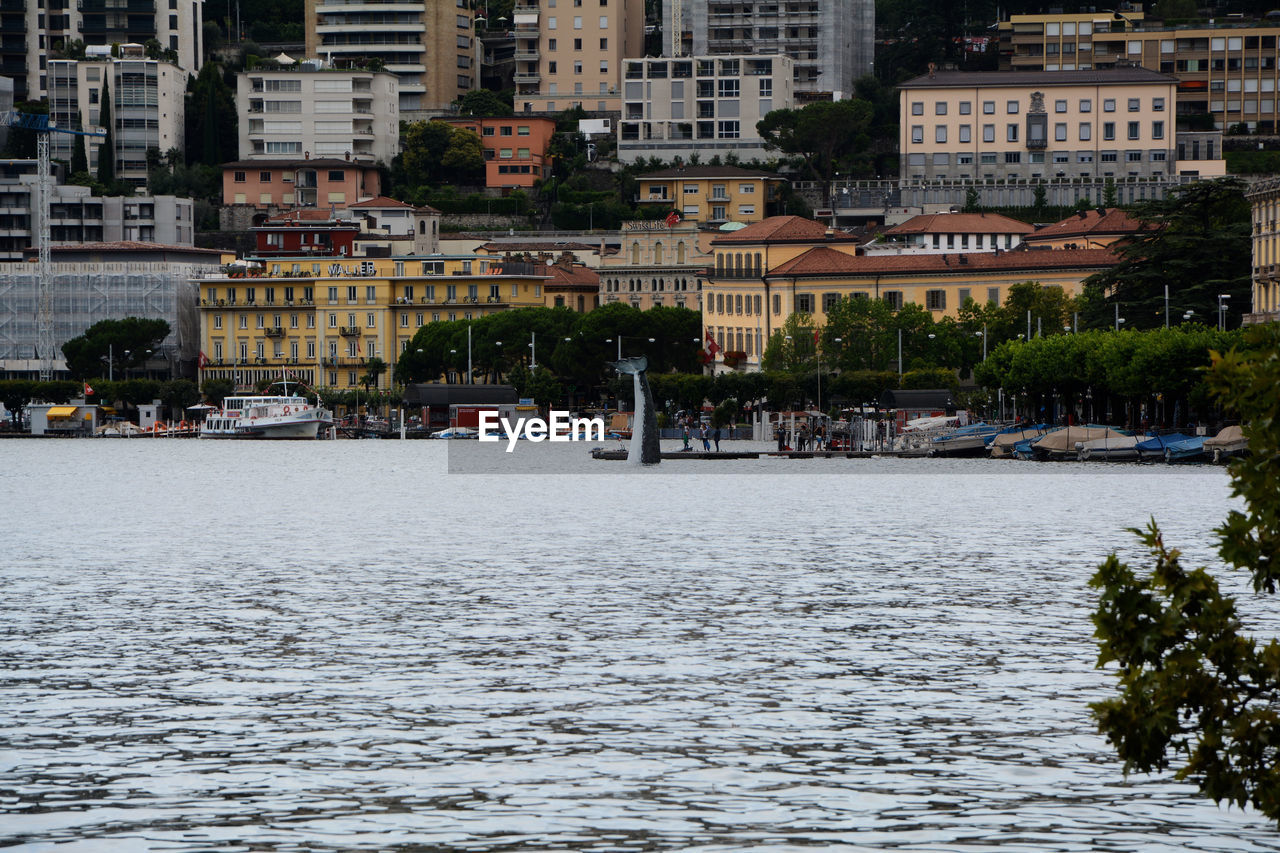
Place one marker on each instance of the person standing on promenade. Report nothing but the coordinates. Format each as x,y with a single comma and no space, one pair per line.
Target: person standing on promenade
715,436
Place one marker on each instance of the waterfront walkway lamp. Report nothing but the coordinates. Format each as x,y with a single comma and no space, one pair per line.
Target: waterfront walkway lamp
983,335
1222,311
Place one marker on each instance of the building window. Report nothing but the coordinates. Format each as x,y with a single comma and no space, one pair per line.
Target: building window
1011,107
1086,131
988,133
1157,105
989,108
964,133
728,130
917,133
1157,130
1135,104
935,300
1086,105
804,303
966,108
940,133
1011,133
993,295
940,108
1108,130
1135,130
1109,105
1060,132
917,108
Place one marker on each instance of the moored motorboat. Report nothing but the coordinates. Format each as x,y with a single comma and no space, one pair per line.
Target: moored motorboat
1154,447
968,440
1108,448
1190,449
1229,442
1004,444
1061,443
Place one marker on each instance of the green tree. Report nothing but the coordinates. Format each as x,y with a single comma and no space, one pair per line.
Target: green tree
125,341
464,157
483,102
1197,693
824,134
1197,243
792,348
373,370
79,160
178,394
211,123
106,143
217,390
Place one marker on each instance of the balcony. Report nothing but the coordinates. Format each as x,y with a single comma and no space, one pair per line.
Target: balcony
527,77
349,331
274,332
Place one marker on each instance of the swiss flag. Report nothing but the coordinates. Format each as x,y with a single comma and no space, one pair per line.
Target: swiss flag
672,220
712,346
87,389
201,361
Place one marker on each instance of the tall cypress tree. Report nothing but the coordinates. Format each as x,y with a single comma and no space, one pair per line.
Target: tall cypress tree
79,160
107,149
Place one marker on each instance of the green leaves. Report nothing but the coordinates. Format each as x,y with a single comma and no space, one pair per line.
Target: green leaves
1196,693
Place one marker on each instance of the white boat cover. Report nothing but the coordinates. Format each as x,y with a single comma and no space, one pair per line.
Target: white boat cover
1065,440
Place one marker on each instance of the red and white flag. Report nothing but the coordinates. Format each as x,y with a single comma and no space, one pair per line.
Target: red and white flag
87,389
712,346
201,361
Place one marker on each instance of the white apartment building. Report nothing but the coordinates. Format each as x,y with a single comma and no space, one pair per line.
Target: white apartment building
704,105
949,233
147,108
832,42
305,110
31,37
570,52
428,44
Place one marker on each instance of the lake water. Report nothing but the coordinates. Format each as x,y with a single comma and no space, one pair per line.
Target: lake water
339,645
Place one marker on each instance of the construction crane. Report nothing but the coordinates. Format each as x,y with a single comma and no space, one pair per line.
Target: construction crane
42,127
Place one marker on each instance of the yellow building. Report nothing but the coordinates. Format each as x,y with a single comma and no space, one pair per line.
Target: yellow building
323,319
657,265
713,194
1264,198
788,265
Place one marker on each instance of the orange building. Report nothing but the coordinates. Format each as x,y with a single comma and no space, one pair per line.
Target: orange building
515,148
286,184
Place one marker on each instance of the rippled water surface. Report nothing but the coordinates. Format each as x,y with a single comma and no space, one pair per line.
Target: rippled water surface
338,645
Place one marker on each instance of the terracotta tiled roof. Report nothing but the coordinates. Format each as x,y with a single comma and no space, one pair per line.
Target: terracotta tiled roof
1109,221
960,223
539,246
577,277
380,201
782,229
824,260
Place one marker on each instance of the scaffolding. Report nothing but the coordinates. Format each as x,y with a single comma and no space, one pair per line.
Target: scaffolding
82,293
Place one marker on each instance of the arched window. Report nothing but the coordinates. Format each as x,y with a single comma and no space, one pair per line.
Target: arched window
680,252
422,226
737,260
719,263
635,252
758,270
657,253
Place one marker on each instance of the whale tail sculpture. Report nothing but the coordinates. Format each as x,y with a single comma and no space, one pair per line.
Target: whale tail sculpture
644,431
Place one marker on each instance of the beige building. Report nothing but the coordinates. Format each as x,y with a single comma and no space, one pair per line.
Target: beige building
1226,69
657,265
428,45
569,52
147,108
932,233
713,194
299,110
1264,197
1036,125
704,105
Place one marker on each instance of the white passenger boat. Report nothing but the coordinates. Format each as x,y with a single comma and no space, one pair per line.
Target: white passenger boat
283,416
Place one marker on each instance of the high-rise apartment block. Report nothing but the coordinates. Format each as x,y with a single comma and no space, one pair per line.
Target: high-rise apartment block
147,108
428,44
832,42
569,52
1226,69
34,33
304,110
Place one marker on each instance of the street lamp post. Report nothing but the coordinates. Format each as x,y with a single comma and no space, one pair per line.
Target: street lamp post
453,352
470,377
1119,319
983,335
1222,311
533,351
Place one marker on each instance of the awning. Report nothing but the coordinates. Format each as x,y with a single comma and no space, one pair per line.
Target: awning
62,411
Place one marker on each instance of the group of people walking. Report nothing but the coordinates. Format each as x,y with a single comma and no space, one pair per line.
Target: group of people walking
806,439
706,436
